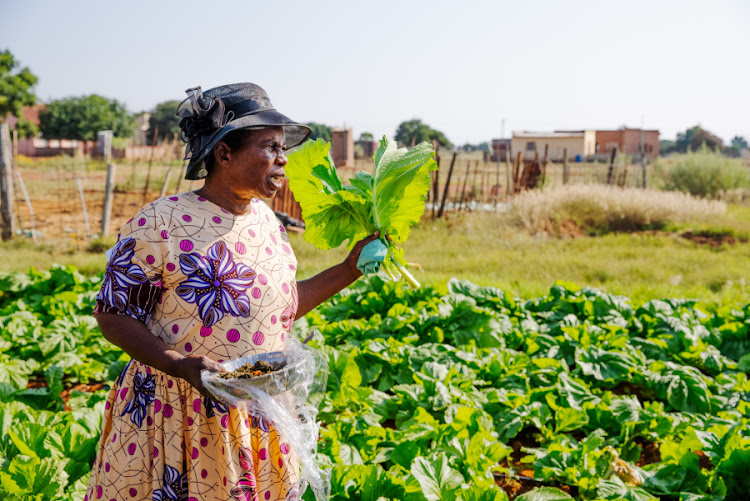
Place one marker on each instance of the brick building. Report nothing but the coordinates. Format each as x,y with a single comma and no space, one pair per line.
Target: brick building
628,141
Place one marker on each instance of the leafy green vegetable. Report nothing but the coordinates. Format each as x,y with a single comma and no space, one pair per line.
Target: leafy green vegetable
390,201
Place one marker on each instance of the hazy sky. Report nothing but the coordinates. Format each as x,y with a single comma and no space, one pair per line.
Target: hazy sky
460,66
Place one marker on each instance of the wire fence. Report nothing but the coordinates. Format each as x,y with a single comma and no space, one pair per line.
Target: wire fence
61,199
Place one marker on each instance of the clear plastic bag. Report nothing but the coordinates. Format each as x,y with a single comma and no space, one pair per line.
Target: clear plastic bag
288,398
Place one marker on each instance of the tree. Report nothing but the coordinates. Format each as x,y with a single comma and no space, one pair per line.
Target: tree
414,132
319,131
366,136
163,116
695,137
739,142
82,117
16,92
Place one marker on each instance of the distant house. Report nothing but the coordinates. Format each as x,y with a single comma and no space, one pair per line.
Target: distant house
39,147
500,149
579,144
628,141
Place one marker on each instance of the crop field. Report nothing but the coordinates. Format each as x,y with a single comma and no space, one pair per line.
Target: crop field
499,379
456,392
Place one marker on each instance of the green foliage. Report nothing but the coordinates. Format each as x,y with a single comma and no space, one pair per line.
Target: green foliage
16,91
390,201
413,132
702,173
430,391
164,119
319,131
366,136
696,137
83,117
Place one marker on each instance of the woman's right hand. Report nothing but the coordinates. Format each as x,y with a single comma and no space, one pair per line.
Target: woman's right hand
189,368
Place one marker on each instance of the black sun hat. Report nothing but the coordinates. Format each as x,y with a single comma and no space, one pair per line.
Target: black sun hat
206,117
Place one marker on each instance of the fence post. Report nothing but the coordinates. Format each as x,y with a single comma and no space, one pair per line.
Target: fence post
109,188
7,199
544,164
611,165
508,177
566,173
643,169
517,171
447,185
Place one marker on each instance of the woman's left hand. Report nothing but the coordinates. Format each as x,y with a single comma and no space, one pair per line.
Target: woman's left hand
353,257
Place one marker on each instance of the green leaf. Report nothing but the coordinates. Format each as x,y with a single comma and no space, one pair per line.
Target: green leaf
544,494
438,480
32,477
475,493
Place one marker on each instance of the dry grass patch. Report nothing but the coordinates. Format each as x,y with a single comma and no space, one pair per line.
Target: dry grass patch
603,209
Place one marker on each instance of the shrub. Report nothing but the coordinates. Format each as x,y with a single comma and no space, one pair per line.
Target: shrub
703,173
602,209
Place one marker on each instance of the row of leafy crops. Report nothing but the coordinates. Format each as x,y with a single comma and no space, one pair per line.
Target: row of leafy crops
464,393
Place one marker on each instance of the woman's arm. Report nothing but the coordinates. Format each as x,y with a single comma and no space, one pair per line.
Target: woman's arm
135,339
325,284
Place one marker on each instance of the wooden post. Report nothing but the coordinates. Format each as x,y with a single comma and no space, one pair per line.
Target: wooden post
7,199
544,164
517,171
83,205
183,169
611,165
643,170
463,190
566,173
447,185
435,184
165,184
150,162
508,175
109,187
28,204
497,180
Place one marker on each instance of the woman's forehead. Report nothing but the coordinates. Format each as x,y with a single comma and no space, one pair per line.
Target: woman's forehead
275,134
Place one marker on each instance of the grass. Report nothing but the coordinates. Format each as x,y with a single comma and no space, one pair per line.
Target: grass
483,248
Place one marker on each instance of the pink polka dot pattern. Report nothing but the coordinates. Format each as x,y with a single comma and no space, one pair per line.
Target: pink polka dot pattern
284,448
269,251
233,335
170,267
194,453
123,393
150,259
197,405
204,442
251,232
240,248
286,248
175,329
256,293
187,218
174,199
188,347
142,221
206,331
262,279
263,454
157,406
273,239
133,492
258,338
216,219
168,411
156,452
273,319
164,234
285,288
131,449
186,245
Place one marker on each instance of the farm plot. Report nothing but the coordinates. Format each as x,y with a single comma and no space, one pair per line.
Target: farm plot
463,393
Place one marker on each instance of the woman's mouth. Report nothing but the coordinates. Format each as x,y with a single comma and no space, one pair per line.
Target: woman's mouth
277,181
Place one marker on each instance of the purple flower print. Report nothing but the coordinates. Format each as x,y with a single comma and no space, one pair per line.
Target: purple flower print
174,488
144,387
210,404
121,275
216,283
260,422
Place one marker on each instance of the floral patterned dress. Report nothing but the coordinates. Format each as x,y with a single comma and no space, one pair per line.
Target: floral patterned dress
207,283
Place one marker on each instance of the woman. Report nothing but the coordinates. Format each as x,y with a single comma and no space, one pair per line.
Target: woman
196,279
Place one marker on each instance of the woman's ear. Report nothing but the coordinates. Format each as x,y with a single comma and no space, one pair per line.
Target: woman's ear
221,154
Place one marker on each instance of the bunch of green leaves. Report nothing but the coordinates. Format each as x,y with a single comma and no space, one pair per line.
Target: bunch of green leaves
389,201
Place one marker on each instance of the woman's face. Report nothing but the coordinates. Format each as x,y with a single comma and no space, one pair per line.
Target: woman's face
257,167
